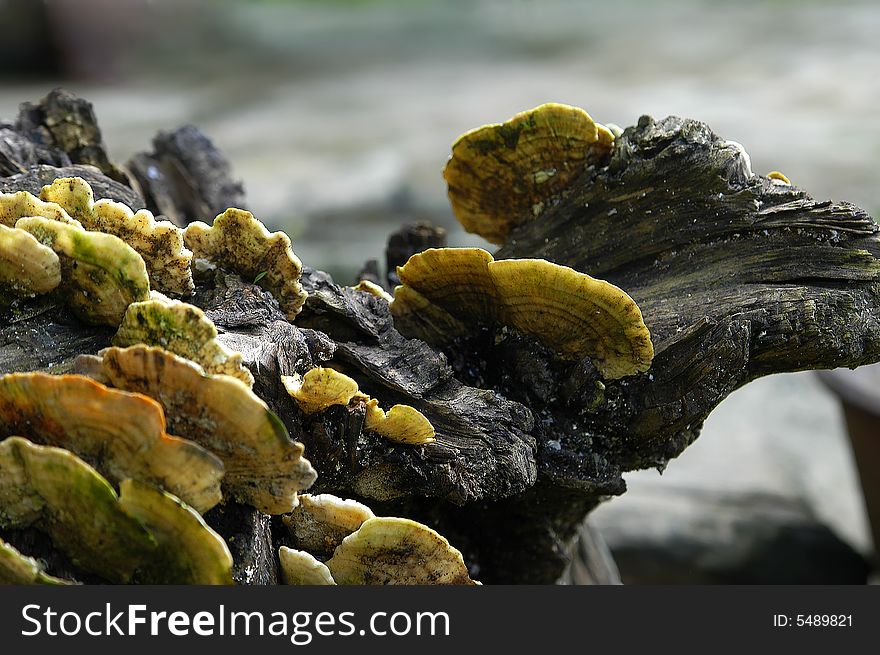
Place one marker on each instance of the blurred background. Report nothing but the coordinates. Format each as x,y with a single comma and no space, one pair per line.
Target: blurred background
338,116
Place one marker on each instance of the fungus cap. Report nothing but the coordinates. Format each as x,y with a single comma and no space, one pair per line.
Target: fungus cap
27,267
53,490
401,423
397,551
101,274
159,243
322,521
189,552
320,388
240,242
264,466
21,204
300,568
574,314
373,289
122,434
503,174
184,330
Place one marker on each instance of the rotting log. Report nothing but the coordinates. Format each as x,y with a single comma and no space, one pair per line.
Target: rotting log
736,276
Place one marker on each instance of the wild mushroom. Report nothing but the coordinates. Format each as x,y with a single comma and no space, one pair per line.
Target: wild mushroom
300,568
16,568
401,423
503,174
27,267
160,243
321,522
264,466
22,204
55,491
189,552
776,177
320,388
184,330
240,242
397,551
100,274
574,314
122,434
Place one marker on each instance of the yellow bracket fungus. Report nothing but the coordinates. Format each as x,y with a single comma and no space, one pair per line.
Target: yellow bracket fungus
143,533
300,568
240,242
321,522
189,552
122,434
264,466
778,178
100,273
160,243
184,330
53,490
504,174
16,568
373,289
574,314
401,423
396,551
27,267
22,204
320,388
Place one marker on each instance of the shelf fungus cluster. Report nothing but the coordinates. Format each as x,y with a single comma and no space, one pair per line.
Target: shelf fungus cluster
159,243
342,542
448,293
141,534
323,387
264,467
503,174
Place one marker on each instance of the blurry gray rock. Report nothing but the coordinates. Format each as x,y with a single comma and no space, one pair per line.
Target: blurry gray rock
691,536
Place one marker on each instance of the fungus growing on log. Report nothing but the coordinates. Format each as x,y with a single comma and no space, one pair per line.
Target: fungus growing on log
401,423
319,389
238,241
184,330
27,267
503,174
396,551
778,178
121,434
572,313
321,522
737,276
100,274
159,243
373,289
300,568
264,466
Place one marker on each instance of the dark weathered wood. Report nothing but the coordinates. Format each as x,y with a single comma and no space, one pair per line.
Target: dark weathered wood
736,278
63,121
406,242
35,177
185,177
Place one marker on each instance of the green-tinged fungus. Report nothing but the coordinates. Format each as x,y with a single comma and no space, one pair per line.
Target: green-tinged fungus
184,330
159,243
121,434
